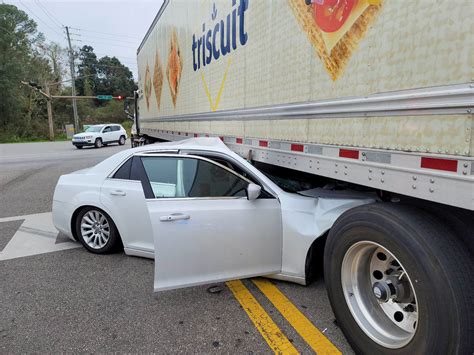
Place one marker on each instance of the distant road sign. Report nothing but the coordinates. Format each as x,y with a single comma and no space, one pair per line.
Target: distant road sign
104,97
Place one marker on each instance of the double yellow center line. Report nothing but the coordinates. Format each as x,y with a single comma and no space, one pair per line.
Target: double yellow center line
272,334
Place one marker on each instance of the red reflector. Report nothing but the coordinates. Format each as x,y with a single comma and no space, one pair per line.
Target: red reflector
297,147
195,134
222,138
263,143
439,164
347,153
238,140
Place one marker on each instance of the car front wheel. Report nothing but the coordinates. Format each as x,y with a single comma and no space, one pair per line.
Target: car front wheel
98,143
96,231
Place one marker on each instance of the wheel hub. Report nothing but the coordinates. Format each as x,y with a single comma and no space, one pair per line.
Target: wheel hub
383,291
379,294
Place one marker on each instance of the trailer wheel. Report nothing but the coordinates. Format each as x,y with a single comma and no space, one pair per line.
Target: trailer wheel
399,282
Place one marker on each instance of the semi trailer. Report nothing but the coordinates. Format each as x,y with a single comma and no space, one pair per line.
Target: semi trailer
373,97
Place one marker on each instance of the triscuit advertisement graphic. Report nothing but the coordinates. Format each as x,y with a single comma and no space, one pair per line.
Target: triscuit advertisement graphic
213,55
175,66
334,27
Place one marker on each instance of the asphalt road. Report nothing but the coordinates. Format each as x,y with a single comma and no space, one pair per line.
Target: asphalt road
56,297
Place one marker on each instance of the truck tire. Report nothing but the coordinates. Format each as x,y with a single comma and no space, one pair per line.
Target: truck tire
399,282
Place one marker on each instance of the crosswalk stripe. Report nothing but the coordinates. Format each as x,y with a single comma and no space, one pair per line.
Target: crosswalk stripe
313,337
274,337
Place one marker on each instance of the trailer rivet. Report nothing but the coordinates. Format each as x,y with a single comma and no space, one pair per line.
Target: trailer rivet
370,178
370,170
383,172
414,177
431,189
465,165
382,181
413,187
464,172
345,173
336,165
363,154
469,111
432,181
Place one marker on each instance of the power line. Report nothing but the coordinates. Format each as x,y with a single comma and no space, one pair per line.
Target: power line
39,18
106,33
105,38
50,15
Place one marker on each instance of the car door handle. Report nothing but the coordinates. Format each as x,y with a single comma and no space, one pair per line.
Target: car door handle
174,217
118,193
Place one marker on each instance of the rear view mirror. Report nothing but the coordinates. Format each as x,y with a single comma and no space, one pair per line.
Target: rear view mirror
253,191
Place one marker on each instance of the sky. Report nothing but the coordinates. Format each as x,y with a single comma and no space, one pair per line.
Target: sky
113,28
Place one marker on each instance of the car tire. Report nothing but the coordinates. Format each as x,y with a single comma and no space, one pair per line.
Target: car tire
122,140
79,146
434,268
98,143
97,231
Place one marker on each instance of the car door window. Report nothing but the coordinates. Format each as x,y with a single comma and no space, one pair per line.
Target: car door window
176,177
106,130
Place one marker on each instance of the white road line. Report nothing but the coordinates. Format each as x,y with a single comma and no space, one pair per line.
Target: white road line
37,235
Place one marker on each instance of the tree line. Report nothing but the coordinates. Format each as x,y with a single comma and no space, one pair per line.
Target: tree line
26,55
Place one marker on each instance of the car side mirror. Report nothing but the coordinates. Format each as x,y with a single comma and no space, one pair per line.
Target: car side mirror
253,191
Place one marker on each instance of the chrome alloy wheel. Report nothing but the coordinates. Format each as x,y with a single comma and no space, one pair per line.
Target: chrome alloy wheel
380,294
95,229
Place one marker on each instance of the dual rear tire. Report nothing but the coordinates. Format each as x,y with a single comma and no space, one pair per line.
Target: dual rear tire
399,282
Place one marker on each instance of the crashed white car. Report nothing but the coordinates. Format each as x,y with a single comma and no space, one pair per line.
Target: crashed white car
205,213
100,135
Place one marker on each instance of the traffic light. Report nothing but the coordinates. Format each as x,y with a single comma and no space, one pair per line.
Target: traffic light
120,97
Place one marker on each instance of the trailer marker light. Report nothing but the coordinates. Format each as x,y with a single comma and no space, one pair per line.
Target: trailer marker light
348,153
297,147
238,140
263,143
439,164
221,138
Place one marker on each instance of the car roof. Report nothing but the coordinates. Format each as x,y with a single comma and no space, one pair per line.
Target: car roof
201,143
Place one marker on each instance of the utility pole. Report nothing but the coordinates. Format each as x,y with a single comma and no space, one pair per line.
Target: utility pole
73,79
48,97
50,113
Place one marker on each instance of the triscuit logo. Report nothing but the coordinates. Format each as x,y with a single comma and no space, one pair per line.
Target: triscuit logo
335,27
219,39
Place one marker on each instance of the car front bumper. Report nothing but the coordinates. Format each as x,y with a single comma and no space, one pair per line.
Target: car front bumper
82,143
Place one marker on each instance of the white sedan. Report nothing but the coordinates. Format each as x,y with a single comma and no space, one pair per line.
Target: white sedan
202,211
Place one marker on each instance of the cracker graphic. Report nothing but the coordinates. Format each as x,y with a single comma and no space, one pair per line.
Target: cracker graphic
147,88
174,67
158,79
335,59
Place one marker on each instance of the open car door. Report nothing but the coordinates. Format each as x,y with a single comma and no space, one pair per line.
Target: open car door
208,223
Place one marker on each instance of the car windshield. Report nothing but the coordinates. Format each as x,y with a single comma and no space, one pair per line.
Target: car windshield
94,129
